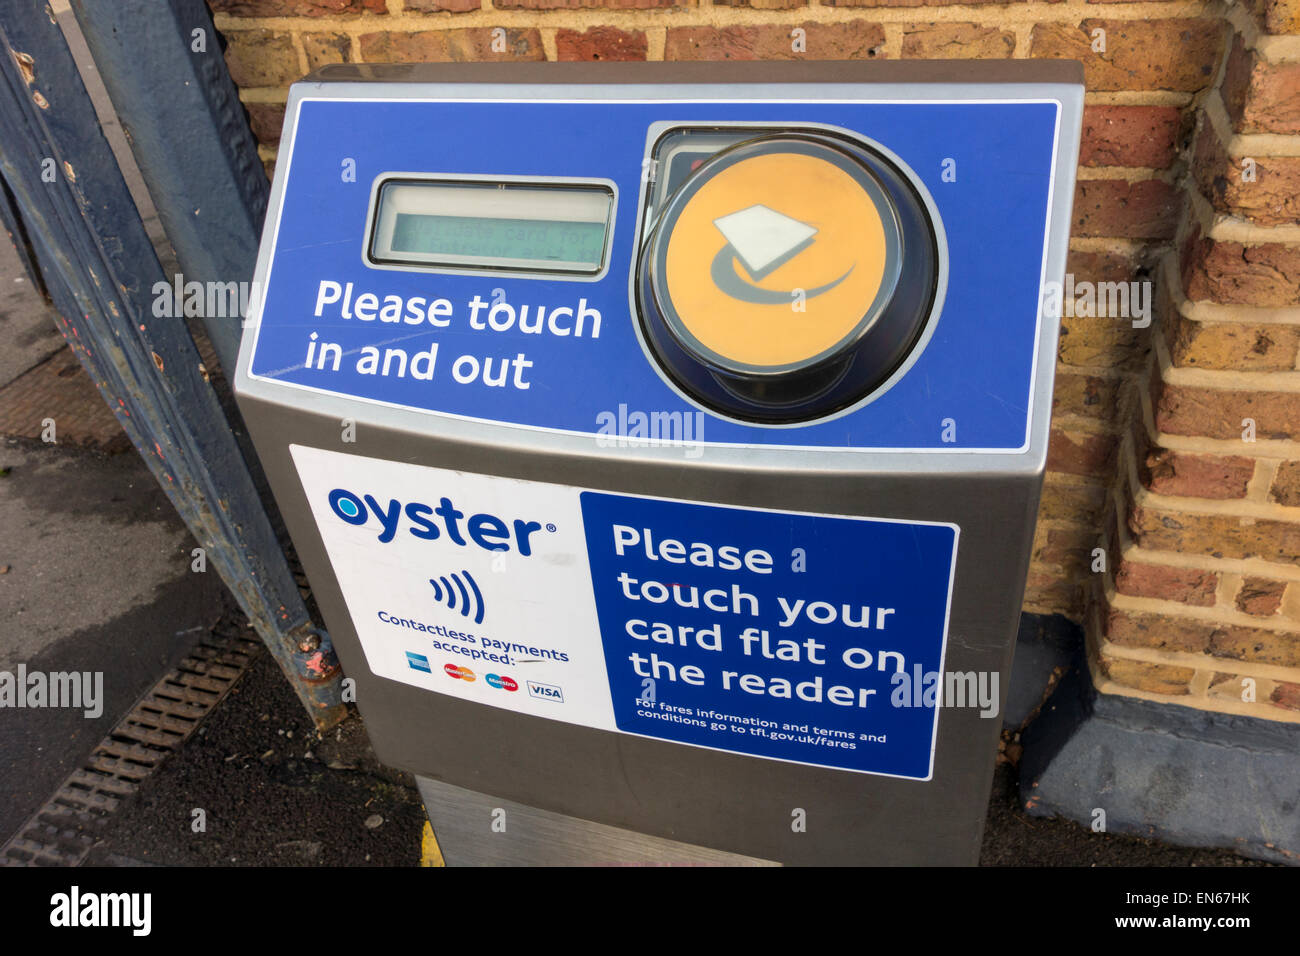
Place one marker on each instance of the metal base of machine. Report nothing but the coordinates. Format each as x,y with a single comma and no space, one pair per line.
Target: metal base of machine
1165,772
474,829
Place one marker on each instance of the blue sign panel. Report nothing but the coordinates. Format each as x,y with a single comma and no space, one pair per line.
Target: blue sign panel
562,352
790,636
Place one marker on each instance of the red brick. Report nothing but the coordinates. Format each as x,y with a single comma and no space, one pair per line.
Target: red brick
1236,346
1054,593
916,3
1219,413
1187,475
1069,549
1260,596
587,4
1218,536
1147,209
442,6
1271,197
1093,266
267,121
1155,631
1276,16
1261,97
1286,695
853,40
1103,342
442,46
1080,453
1174,54
600,43
324,49
297,8
1256,645
1168,679
1188,635
1236,77
1089,395
957,41
261,58
1091,342
1266,275
1286,484
1079,503
1166,583
1129,135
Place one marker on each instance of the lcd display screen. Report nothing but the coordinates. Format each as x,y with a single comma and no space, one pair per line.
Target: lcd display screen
493,226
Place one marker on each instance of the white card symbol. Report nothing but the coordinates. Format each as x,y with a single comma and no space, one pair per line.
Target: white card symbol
764,238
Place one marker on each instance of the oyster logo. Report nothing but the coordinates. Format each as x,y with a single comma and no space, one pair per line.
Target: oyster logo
763,240
431,522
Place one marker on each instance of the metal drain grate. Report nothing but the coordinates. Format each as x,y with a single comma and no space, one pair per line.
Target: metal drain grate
63,831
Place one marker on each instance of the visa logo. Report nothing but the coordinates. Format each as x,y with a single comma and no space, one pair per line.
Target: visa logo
431,522
545,691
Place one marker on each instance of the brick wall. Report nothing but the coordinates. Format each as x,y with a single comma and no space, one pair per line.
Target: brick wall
1201,601
1199,585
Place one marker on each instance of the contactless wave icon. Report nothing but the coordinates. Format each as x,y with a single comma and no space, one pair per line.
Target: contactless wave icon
469,601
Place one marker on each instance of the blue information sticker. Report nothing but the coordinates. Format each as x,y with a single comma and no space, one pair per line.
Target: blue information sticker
499,347
795,637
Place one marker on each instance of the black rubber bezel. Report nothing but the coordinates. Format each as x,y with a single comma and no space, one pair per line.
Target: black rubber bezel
839,377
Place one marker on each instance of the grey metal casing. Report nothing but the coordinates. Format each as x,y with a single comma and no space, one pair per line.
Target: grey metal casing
719,800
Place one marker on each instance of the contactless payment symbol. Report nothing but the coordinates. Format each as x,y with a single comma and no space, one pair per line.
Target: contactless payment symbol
773,285
470,603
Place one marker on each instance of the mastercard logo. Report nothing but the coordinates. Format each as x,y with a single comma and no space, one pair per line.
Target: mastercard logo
462,673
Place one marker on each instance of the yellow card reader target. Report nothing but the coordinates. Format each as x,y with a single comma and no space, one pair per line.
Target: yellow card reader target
776,260
787,276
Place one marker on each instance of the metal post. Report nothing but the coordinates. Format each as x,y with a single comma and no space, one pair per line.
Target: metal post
164,71
101,271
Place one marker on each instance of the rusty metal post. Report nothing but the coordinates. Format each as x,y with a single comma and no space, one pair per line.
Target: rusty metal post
101,271
189,136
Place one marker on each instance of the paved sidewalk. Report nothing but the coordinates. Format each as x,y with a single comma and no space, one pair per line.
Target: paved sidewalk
94,562
26,330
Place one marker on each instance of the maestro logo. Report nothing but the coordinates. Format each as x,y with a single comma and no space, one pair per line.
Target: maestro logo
501,682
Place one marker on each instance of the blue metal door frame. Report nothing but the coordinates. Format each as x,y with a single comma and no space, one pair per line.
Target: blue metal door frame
67,195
